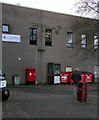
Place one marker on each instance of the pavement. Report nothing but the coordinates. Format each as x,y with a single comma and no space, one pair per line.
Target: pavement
49,101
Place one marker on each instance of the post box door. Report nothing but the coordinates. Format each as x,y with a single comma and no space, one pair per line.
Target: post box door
56,69
31,74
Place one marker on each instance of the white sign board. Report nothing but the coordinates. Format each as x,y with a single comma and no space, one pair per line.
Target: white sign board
11,38
56,79
68,69
5,28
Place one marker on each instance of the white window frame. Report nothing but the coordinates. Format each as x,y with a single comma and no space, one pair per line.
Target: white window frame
83,41
33,36
96,41
48,37
70,39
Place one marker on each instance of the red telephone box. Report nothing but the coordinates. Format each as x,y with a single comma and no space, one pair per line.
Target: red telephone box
31,75
64,77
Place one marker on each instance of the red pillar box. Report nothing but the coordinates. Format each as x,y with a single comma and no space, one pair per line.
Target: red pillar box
69,78
64,77
88,77
31,75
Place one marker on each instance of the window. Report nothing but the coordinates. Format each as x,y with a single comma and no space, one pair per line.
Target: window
83,41
69,39
50,68
48,37
96,41
5,28
33,36
96,71
57,69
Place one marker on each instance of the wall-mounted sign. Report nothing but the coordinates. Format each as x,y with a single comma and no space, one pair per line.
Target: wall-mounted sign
56,79
11,38
68,69
5,28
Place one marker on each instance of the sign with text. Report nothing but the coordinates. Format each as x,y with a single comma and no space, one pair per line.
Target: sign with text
68,69
56,79
11,38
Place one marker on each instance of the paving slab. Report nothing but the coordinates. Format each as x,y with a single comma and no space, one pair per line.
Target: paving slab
49,101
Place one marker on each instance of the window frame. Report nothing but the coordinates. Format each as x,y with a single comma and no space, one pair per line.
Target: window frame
48,41
33,36
97,42
83,41
70,39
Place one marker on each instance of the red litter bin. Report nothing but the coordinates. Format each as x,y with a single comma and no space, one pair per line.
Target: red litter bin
30,75
83,77
64,77
82,92
88,77
70,81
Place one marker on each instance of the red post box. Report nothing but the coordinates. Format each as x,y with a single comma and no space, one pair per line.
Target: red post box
31,75
64,77
88,77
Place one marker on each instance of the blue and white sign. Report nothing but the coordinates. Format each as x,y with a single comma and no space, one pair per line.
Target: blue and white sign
11,38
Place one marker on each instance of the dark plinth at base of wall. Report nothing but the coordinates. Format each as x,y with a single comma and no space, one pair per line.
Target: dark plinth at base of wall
30,82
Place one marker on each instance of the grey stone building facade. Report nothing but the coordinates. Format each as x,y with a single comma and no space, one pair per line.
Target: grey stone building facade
46,37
